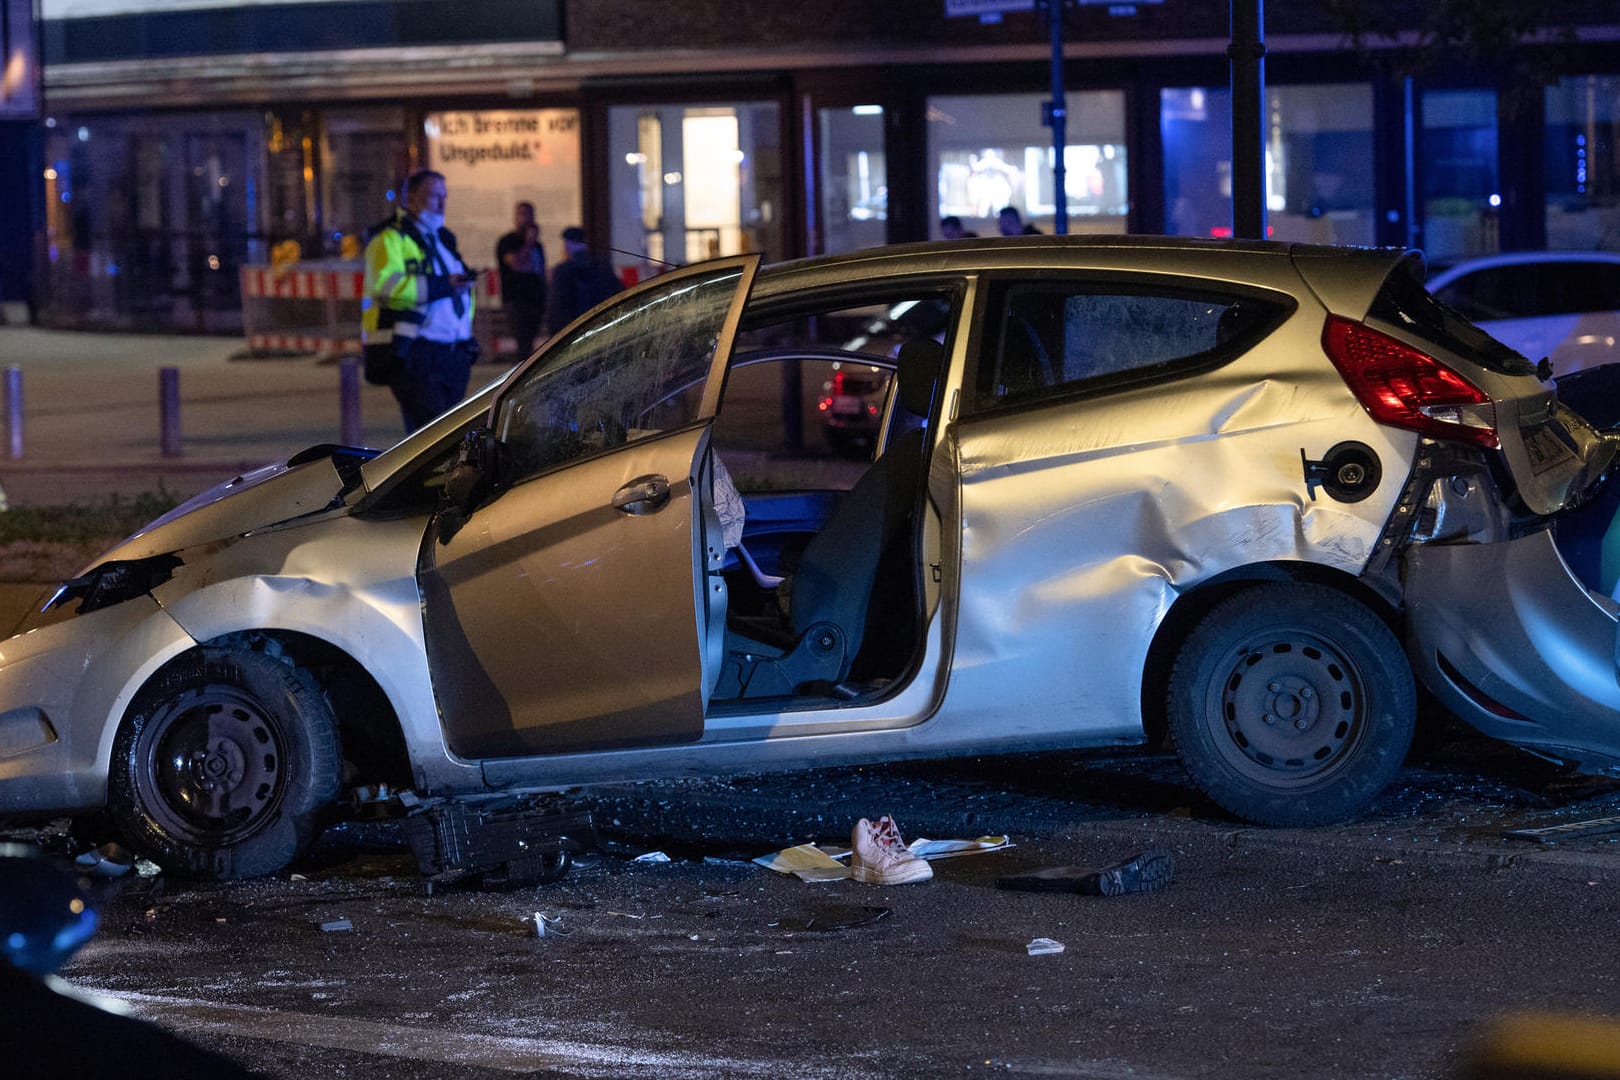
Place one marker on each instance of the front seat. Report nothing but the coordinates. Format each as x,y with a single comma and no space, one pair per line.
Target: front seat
828,596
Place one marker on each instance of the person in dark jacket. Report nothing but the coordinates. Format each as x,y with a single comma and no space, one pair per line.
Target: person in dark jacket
522,260
580,282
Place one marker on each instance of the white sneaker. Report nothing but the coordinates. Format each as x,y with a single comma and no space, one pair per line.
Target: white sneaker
878,855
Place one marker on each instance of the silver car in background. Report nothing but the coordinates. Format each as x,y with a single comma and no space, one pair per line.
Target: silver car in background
1122,488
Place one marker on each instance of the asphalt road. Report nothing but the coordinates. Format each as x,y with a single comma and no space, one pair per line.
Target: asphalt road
1374,949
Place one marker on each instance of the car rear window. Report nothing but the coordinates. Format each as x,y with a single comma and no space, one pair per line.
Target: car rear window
1404,302
1060,337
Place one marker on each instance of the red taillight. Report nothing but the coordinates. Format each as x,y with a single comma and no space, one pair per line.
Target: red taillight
1406,387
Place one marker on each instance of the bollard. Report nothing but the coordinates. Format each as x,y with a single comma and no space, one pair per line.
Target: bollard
169,409
14,410
349,402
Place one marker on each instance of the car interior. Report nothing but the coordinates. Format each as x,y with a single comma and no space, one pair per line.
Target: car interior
824,582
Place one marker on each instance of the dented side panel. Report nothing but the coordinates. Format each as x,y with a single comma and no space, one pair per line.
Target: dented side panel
345,580
1083,522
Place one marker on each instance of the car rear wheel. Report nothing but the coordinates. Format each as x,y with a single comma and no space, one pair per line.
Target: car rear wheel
223,764
1291,704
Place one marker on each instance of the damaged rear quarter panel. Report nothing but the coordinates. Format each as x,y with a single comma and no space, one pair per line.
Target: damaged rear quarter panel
346,580
1083,521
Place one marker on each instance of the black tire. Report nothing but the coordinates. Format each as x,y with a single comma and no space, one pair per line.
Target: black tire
223,765
1333,681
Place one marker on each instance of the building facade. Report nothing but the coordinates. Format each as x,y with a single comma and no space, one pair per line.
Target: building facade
184,139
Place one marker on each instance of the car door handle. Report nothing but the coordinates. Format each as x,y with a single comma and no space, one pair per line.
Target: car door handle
643,495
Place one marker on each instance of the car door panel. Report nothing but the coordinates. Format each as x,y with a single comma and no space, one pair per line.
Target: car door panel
559,622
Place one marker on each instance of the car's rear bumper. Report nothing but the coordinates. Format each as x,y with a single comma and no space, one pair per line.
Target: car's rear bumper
1509,639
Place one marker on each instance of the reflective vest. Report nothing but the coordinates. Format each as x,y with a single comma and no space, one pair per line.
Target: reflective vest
401,281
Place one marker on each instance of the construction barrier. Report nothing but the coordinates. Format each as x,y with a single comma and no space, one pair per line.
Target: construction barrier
306,307
311,307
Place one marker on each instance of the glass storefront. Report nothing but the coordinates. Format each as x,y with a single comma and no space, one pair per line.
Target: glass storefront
1319,153
990,151
1461,192
853,206
364,154
694,182
1582,164
150,217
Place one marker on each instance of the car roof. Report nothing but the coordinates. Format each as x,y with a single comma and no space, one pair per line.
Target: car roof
1218,259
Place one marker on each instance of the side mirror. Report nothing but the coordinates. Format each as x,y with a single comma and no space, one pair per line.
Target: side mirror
469,481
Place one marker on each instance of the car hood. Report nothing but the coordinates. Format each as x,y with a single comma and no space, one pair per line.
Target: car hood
270,495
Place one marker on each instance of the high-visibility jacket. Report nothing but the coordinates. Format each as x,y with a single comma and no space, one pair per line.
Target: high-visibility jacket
402,280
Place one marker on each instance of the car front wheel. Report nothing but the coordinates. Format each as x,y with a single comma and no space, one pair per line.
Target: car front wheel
223,764
1291,704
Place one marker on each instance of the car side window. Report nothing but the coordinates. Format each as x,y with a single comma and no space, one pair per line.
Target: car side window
1056,338
635,370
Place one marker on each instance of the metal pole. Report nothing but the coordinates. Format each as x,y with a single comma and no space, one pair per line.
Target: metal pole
1248,55
349,402
1057,113
14,410
169,409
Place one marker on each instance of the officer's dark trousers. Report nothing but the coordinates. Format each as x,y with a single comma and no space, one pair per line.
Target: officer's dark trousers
434,378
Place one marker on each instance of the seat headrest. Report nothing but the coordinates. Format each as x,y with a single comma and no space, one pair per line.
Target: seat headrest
916,367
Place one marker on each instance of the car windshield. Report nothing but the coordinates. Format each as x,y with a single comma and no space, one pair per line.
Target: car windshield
1404,302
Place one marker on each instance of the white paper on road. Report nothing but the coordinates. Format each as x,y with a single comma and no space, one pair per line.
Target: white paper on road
945,849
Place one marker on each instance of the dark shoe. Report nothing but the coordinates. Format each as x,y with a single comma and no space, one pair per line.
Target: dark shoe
1144,872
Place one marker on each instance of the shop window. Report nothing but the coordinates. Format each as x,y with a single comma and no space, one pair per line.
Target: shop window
364,157
1318,162
854,187
991,151
1583,163
694,182
152,218
1461,192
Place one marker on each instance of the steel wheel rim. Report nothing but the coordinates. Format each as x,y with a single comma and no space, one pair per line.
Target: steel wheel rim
1290,705
210,766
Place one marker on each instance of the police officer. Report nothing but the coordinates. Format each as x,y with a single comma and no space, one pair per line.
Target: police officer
417,312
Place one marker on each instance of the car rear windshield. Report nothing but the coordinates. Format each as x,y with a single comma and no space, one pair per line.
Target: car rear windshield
1404,302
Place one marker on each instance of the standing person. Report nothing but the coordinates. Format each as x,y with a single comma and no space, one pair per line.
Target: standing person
951,228
417,311
580,282
522,260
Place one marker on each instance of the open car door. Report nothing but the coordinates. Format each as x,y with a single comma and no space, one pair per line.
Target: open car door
562,609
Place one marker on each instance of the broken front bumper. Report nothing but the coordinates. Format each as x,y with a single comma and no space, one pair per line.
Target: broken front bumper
1508,638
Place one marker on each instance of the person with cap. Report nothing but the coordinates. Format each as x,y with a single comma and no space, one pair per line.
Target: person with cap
580,282
416,314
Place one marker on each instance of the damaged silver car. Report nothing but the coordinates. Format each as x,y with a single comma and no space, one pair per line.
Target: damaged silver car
1122,488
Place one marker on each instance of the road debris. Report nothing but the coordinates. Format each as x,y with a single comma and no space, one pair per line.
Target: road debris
806,862
549,925
1569,830
1043,946
652,857
826,918
338,925
1146,871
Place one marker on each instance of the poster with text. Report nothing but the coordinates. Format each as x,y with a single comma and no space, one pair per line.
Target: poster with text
494,159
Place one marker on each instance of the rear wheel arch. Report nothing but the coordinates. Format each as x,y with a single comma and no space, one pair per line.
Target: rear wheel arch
1192,606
